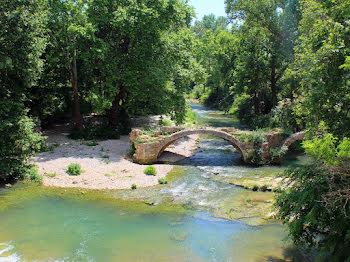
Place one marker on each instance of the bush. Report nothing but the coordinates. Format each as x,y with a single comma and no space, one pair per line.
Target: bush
133,186
94,130
165,122
74,169
316,204
191,116
51,175
263,188
162,181
33,175
150,170
255,187
91,143
18,142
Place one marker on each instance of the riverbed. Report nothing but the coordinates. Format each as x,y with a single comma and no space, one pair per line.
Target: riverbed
197,216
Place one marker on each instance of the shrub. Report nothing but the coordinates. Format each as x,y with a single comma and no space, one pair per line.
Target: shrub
74,169
91,143
165,122
18,142
316,204
33,175
150,170
95,130
51,175
191,116
140,140
133,186
107,175
255,187
162,181
264,188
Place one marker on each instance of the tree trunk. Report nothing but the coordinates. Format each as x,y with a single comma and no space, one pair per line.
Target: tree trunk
74,80
273,81
113,119
256,104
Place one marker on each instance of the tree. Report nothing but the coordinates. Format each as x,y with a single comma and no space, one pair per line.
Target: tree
315,205
22,41
69,30
132,73
320,64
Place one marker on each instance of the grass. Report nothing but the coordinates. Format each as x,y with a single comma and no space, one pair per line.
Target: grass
74,169
107,175
114,172
162,181
105,156
51,175
165,122
33,175
91,143
150,170
140,140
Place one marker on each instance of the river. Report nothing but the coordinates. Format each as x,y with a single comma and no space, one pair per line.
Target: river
182,221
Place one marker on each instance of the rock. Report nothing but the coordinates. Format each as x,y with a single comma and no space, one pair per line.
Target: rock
75,182
8,185
135,133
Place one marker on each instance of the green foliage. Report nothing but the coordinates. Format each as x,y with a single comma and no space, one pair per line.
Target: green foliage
321,54
94,130
263,188
190,116
140,140
278,153
133,186
131,150
327,148
32,174
51,175
91,143
314,216
74,169
22,41
315,204
162,181
165,122
150,170
255,187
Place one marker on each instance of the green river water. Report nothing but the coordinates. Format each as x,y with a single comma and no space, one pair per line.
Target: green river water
181,221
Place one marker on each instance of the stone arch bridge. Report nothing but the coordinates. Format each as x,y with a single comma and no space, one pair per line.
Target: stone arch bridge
149,146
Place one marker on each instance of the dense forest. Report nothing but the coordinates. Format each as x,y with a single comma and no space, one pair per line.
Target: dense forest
273,64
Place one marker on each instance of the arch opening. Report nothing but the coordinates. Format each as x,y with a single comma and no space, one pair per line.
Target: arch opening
220,134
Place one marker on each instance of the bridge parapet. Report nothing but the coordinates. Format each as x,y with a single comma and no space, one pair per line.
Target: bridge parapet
149,145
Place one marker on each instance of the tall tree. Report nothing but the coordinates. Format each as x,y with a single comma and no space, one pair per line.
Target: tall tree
69,28
132,71
323,47
22,41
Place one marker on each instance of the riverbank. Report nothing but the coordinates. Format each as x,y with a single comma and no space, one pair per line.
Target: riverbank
105,164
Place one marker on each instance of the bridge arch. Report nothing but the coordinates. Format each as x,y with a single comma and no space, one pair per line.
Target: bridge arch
293,138
221,134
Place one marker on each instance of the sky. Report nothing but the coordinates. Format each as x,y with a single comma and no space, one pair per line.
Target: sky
206,7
